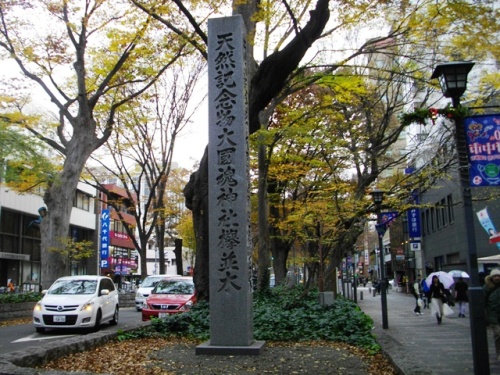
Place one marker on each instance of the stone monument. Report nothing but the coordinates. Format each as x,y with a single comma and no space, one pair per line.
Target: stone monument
231,305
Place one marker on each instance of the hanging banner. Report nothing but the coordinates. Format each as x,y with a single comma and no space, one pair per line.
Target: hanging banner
483,144
487,224
386,218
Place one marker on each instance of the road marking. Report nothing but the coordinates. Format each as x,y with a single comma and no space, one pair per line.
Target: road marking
37,337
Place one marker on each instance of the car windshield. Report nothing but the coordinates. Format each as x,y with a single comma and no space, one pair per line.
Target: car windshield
174,287
150,282
73,287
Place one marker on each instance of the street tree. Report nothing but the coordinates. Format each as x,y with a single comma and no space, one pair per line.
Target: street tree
403,56
140,156
89,59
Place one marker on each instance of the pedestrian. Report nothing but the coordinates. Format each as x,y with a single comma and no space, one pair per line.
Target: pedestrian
461,297
10,286
425,294
491,290
437,294
416,294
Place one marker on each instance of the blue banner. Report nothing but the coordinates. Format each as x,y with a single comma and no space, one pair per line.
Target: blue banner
414,224
104,245
386,218
483,144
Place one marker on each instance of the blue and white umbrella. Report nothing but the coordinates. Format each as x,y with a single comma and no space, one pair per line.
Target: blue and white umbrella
458,273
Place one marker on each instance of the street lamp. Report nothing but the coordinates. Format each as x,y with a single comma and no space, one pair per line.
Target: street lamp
378,197
453,80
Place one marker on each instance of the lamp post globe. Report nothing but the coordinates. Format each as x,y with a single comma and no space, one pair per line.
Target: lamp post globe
452,78
377,196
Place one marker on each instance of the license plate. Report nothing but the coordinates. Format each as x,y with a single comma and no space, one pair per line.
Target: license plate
59,319
162,315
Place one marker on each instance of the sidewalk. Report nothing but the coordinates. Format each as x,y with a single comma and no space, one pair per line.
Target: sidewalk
416,344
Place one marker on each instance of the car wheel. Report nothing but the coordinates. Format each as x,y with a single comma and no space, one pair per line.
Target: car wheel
40,329
138,309
114,321
97,321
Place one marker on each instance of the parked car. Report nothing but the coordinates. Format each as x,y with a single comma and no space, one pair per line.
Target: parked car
145,288
170,296
83,301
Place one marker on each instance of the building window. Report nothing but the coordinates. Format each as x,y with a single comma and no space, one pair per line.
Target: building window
428,222
439,262
438,216
433,217
82,201
451,217
453,258
422,221
444,217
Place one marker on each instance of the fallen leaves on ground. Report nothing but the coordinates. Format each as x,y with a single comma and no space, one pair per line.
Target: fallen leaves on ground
133,356
13,322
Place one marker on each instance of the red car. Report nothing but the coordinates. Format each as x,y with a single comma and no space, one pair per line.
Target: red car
170,296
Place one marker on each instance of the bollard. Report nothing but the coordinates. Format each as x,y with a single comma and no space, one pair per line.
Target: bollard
374,292
361,296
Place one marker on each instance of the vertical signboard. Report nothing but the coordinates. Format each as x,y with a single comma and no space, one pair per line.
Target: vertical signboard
414,224
104,242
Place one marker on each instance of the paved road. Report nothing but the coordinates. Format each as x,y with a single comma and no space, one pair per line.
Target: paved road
416,344
20,337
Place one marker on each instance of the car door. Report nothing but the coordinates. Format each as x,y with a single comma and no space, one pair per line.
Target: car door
106,301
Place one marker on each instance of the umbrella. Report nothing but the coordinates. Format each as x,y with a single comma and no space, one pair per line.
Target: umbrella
458,273
444,277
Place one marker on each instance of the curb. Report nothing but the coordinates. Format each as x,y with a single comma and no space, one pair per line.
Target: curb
391,348
24,362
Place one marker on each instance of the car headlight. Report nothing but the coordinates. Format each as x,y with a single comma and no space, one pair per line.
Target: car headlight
88,306
138,295
38,307
186,306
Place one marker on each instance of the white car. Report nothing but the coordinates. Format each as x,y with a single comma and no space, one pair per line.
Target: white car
77,302
145,289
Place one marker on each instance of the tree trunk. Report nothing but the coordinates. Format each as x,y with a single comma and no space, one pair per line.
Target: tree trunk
160,242
59,200
143,251
178,256
196,194
264,260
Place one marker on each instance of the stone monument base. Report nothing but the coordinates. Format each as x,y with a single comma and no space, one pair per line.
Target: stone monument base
253,349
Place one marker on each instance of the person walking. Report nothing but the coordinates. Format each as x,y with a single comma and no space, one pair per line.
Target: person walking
461,297
416,294
491,290
426,299
10,286
437,294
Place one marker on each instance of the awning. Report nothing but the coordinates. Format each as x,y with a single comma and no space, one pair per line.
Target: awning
490,259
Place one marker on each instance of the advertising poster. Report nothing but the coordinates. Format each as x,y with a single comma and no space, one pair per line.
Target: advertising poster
483,144
488,226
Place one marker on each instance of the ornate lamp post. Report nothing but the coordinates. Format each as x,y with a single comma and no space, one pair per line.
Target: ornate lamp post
378,197
453,80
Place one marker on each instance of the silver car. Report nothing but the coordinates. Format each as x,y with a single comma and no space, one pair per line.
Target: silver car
77,302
